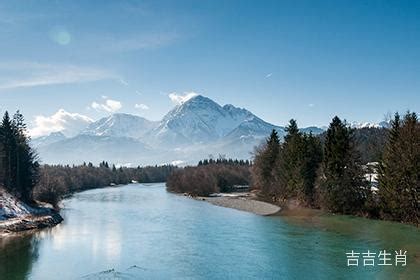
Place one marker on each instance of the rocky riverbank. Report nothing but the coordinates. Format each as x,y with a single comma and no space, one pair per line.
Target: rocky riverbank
16,216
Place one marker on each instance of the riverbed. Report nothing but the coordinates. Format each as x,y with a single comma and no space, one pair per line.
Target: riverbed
142,232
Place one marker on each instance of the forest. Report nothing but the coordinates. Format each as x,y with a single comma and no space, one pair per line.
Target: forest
23,176
329,171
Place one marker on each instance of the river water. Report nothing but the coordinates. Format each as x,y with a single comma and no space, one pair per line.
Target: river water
143,232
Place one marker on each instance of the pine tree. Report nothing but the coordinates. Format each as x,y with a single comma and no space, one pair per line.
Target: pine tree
265,159
26,164
297,165
399,179
9,146
344,188
311,161
288,179
19,168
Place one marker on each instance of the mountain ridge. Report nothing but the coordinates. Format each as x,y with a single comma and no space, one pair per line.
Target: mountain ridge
192,130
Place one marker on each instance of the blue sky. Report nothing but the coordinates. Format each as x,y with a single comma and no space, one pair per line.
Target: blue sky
308,60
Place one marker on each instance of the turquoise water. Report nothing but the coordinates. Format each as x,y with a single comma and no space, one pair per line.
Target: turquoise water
143,232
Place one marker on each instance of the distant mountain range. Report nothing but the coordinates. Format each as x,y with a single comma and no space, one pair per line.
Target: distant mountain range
193,130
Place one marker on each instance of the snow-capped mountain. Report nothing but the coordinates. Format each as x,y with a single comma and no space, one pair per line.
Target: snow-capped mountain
120,125
191,131
201,120
382,124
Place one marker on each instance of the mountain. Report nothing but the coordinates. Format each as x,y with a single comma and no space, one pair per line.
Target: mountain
313,129
382,124
201,120
120,125
194,129
48,139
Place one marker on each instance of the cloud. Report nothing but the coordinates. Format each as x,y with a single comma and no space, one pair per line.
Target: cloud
179,99
311,105
109,105
62,121
141,106
28,74
269,75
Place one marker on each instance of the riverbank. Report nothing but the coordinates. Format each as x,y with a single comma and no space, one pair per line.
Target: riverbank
17,216
242,201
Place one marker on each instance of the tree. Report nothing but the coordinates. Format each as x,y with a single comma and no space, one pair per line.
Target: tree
297,165
287,174
344,188
9,151
265,159
19,168
399,172
312,159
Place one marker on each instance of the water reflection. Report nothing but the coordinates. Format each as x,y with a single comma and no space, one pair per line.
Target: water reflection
17,254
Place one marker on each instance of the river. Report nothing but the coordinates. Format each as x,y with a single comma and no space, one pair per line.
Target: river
142,232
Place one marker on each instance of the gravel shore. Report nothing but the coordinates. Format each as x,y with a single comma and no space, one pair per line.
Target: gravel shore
244,203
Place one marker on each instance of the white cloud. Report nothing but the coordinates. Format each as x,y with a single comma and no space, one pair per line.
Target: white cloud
28,74
269,75
63,121
179,99
141,106
108,106
311,105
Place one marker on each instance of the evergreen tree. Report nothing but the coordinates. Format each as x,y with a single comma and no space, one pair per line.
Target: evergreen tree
26,163
265,160
9,146
344,188
288,179
297,165
399,176
19,168
312,159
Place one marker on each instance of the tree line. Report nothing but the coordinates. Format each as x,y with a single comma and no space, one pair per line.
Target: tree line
327,172
23,176
210,176
56,181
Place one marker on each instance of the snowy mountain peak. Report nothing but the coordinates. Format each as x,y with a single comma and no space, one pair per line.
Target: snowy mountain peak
120,125
200,120
382,124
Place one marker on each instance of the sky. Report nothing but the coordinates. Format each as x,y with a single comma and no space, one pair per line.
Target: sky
71,62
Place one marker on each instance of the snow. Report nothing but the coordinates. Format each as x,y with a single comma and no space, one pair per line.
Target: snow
10,207
120,125
200,119
382,124
193,130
